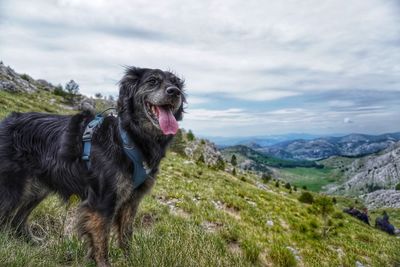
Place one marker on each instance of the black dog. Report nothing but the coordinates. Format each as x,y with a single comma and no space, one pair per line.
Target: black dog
42,153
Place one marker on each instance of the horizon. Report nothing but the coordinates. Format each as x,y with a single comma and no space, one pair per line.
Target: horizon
258,68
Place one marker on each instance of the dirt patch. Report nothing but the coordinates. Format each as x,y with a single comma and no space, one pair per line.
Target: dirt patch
234,212
234,247
211,227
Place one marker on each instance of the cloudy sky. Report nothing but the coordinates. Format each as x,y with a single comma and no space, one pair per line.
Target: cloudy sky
251,67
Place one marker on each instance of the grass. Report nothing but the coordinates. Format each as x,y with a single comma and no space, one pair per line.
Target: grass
315,179
40,101
196,216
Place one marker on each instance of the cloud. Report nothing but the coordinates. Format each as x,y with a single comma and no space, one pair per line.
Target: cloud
334,58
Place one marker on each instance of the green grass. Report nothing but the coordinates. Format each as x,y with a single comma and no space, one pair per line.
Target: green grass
216,219
314,178
41,101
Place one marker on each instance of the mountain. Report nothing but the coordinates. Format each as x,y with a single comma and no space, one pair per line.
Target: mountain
353,145
371,173
259,141
250,159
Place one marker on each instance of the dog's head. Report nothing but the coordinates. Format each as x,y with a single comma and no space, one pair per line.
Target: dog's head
153,99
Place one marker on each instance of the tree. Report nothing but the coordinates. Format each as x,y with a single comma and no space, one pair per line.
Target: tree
288,186
398,187
266,177
220,164
306,197
178,144
234,160
295,188
201,160
234,172
304,187
72,89
324,206
98,95
277,184
190,135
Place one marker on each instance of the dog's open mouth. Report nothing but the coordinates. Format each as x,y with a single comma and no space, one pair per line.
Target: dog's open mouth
162,117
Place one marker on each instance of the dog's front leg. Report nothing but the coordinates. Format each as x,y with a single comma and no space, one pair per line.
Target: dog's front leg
95,226
124,223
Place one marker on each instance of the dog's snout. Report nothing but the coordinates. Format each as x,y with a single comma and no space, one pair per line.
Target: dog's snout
173,91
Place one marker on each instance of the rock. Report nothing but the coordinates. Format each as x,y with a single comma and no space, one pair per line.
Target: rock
14,82
382,199
270,223
359,264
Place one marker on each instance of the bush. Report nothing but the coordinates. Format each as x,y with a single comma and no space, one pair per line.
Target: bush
233,160
288,186
295,188
190,135
220,164
304,187
234,172
306,197
201,160
277,184
334,200
398,187
266,177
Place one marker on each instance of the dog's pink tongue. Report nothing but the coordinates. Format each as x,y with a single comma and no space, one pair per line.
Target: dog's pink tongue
167,121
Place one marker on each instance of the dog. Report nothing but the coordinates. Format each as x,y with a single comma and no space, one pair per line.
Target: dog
42,153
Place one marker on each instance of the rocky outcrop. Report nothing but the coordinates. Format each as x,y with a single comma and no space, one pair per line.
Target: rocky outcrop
382,199
13,82
194,149
372,173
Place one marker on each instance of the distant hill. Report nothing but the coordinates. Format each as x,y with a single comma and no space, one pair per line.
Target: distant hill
250,159
259,141
353,145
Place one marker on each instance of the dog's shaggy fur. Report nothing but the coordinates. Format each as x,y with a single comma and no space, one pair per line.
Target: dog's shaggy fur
41,153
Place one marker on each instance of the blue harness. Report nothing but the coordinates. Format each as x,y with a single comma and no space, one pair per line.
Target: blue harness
139,174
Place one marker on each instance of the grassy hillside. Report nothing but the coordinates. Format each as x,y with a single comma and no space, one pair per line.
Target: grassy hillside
198,216
40,101
313,178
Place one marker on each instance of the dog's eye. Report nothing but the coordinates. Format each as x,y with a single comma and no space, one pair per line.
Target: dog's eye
153,81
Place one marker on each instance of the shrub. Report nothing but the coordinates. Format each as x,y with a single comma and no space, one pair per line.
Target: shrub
306,197
234,172
334,200
324,206
190,135
398,187
304,187
295,188
277,184
220,164
288,186
234,160
201,160
266,177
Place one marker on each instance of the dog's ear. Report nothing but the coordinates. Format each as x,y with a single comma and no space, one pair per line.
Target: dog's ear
128,85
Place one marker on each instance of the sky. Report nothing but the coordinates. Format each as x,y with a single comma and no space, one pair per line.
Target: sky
252,68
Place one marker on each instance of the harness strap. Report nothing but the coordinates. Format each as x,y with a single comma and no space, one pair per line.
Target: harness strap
139,174
87,138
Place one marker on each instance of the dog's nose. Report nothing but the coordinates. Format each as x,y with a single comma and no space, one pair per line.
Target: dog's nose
173,91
